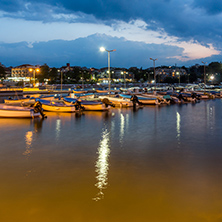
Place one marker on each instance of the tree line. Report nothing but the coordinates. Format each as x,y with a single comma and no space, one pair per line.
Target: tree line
77,74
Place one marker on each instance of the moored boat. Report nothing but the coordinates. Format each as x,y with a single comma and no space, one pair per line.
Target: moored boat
117,101
52,106
17,101
88,105
79,91
143,100
17,112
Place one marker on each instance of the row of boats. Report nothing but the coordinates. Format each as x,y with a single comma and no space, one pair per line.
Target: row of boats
79,100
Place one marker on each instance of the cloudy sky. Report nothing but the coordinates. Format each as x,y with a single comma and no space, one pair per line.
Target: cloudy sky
56,32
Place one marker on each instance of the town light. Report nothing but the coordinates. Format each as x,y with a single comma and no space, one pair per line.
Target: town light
33,73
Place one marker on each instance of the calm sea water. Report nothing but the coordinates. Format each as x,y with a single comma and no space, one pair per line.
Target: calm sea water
157,164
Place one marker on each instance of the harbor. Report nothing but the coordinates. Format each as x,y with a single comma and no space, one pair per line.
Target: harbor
110,111
123,164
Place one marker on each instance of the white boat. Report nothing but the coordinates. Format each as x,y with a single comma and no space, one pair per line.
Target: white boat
17,112
81,95
160,98
52,106
118,102
88,105
27,100
143,100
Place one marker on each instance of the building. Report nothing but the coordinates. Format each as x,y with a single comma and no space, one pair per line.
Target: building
173,72
22,73
117,75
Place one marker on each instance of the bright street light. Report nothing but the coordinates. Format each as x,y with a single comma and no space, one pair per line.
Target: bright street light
33,72
102,49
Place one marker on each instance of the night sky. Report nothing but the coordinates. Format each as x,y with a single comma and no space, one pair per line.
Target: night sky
56,32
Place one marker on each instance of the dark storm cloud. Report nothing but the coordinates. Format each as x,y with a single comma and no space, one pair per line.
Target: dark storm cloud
210,6
187,19
85,52
11,5
183,18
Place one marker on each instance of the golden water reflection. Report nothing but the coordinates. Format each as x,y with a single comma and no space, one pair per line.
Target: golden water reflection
28,141
102,164
178,128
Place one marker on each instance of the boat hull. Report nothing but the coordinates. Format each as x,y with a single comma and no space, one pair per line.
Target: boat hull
57,108
143,100
19,101
17,112
88,105
118,102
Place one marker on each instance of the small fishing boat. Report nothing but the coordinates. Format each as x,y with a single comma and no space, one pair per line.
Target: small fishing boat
17,112
81,95
18,101
160,98
116,101
79,91
142,99
52,106
100,90
88,105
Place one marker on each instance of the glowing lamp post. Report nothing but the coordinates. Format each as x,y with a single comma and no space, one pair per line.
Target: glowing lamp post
154,70
102,49
124,73
33,72
212,78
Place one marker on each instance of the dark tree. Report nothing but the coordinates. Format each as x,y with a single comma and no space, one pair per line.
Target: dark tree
44,73
53,74
2,72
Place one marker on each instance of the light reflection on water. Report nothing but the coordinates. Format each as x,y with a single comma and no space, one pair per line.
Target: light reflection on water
28,139
124,165
102,164
178,128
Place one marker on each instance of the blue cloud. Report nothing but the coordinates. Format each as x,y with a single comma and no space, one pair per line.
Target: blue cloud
183,18
212,7
85,52
187,19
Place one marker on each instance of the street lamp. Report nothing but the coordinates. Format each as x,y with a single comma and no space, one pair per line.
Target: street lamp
154,71
102,49
212,78
124,73
60,71
33,72
204,75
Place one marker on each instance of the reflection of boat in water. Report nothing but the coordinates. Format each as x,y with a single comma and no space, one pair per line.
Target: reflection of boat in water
52,106
17,112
